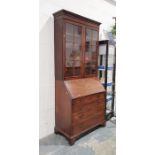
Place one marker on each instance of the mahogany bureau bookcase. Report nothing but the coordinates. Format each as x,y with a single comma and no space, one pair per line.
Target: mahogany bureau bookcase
79,96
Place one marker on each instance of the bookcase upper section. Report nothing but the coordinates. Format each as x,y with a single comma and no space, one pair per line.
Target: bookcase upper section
76,46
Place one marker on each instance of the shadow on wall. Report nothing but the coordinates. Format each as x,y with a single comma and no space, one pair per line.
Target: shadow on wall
46,79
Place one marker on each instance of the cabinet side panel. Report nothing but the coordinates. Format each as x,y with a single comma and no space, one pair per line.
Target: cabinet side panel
62,100
58,43
63,108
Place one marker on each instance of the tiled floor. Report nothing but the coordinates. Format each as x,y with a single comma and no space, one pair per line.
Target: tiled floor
99,142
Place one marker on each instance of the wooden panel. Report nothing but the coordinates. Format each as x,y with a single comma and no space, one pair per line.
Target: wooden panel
62,108
88,123
84,109
58,43
87,100
77,18
83,87
78,107
87,112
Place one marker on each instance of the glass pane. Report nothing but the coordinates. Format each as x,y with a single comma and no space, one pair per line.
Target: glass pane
77,30
90,62
90,48
77,34
73,50
69,38
88,37
94,37
93,48
90,52
69,29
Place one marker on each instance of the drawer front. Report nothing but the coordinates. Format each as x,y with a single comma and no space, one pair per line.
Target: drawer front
88,123
84,110
87,111
93,100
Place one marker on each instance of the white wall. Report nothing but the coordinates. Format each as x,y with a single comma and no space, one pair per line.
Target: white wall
99,10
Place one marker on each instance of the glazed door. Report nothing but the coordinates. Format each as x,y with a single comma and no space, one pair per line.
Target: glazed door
73,51
91,53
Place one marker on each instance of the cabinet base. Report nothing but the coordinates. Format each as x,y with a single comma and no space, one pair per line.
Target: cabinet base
72,139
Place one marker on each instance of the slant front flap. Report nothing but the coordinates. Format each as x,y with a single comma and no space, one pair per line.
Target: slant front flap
83,87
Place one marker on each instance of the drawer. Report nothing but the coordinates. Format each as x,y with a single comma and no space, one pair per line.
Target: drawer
87,111
88,123
90,98
93,97
80,102
85,106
